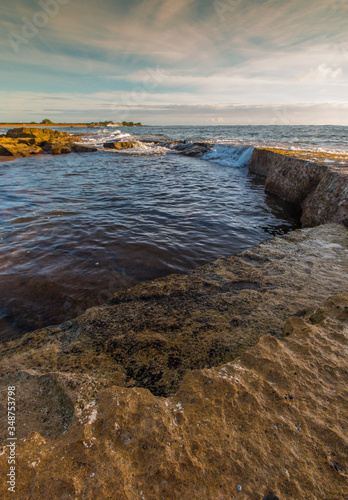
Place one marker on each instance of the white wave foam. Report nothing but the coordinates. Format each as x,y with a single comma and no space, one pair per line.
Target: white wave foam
231,156
105,135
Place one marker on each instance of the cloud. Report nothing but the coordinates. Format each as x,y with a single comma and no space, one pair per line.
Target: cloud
322,73
101,53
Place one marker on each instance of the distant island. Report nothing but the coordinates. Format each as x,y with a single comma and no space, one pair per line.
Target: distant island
47,122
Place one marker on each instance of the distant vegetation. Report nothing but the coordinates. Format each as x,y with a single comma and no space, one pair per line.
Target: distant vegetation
105,123
119,124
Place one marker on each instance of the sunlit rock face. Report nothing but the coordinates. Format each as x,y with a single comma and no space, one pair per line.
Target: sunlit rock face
31,141
277,411
320,188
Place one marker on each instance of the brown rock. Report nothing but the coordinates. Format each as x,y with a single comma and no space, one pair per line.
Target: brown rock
320,189
41,136
55,148
153,139
193,149
121,145
272,421
23,141
9,147
156,332
81,148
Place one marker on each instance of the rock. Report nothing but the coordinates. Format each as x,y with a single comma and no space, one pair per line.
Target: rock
320,189
9,147
81,435
193,149
28,141
121,145
81,148
153,139
41,136
153,334
54,148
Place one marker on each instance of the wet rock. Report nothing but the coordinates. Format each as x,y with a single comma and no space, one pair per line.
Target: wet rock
56,148
153,139
320,189
81,148
121,145
153,334
193,149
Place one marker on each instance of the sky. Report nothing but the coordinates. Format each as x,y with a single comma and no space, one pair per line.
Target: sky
190,62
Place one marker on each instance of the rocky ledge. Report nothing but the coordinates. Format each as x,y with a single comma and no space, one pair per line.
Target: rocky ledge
227,382
304,178
32,141
270,425
124,402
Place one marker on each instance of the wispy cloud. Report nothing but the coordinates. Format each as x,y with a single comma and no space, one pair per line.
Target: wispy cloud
260,53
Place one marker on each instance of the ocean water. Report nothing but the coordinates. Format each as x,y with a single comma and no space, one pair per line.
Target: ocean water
77,228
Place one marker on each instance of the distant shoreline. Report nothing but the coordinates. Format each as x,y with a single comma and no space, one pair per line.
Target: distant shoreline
44,125
67,125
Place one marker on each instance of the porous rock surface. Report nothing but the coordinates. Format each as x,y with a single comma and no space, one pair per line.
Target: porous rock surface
321,189
270,424
154,333
23,141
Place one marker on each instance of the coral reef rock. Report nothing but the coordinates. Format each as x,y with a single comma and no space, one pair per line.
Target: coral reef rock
23,141
270,424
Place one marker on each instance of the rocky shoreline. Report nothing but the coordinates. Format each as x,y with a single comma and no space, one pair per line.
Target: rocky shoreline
227,382
320,189
22,141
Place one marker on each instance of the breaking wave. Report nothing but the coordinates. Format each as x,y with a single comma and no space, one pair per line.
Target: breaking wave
231,156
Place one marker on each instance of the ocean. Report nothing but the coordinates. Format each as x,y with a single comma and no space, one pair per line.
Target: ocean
77,228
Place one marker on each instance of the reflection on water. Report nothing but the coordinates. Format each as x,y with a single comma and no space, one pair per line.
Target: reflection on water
75,229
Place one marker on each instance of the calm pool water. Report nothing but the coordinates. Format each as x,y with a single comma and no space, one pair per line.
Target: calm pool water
77,228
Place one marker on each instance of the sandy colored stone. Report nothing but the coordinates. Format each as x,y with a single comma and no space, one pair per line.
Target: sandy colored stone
122,145
23,141
274,422
41,135
321,189
10,147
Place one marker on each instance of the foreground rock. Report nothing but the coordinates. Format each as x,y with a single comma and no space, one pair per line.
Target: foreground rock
320,189
31,141
271,424
153,334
